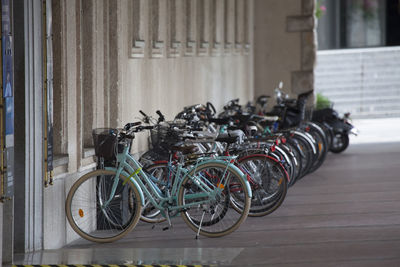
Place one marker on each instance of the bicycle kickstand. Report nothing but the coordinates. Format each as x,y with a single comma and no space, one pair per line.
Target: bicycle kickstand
168,219
201,223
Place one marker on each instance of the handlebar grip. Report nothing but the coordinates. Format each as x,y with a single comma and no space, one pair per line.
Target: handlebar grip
144,114
159,113
162,118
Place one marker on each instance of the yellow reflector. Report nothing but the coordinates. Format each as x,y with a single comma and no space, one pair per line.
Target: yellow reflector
280,181
81,213
221,186
320,146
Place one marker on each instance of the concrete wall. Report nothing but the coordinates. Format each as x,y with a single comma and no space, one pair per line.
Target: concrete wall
98,82
284,45
101,79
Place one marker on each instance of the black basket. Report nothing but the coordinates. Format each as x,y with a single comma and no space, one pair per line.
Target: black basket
163,135
105,142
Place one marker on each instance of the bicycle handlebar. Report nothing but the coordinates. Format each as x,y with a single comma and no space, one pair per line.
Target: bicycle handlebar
161,116
144,114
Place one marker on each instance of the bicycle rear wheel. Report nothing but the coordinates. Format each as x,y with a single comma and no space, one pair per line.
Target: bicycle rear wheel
269,182
97,217
213,216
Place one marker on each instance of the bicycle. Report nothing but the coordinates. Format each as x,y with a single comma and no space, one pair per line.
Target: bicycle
105,204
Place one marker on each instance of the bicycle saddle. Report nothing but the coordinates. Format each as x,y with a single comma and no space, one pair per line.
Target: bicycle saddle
227,139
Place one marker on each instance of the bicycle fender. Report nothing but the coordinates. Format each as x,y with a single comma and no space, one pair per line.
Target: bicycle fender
307,138
126,175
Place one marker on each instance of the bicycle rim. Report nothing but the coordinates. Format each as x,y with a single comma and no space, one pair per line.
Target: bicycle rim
268,180
215,215
92,216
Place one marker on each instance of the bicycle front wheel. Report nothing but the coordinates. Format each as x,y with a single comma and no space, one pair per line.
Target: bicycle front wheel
206,193
98,213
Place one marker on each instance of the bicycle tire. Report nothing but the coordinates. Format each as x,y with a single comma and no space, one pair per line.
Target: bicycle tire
340,142
94,221
297,154
322,146
307,154
219,225
268,181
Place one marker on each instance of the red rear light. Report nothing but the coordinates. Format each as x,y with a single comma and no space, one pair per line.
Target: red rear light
283,139
307,129
272,148
277,142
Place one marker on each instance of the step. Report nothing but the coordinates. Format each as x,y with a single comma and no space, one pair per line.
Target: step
355,110
357,87
358,93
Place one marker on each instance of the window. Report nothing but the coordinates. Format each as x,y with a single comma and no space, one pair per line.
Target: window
204,25
217,22
190,27
229,24
176,10
139,10
239,18
157,29
246,24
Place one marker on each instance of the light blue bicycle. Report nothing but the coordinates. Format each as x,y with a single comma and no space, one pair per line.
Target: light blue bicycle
106,204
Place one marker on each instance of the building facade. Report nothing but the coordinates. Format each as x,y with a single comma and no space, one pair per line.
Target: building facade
83,64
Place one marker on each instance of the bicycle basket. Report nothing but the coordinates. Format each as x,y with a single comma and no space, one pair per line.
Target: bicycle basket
163,135
105,142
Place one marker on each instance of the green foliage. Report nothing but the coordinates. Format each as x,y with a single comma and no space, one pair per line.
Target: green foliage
320,9
322,102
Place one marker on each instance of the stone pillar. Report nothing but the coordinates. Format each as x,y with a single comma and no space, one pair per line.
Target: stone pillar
284,46
303,79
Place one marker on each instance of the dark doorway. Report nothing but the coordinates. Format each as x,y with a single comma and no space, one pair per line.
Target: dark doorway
393,22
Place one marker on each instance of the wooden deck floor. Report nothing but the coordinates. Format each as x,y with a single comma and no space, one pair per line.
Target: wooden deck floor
347,213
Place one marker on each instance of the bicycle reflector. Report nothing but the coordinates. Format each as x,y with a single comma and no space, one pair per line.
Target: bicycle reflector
272,148
283,139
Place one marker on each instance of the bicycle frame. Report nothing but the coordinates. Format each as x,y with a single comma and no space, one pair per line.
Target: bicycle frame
139,178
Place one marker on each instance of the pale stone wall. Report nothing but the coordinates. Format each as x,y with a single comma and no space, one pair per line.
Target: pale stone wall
284,46
103,78
101,81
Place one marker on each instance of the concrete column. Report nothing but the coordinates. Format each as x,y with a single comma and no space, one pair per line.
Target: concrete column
20,128
114,61
70,81
88,79
1,231
284,46
34,125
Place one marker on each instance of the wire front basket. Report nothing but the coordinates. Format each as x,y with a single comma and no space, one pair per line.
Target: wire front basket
163,135
105,142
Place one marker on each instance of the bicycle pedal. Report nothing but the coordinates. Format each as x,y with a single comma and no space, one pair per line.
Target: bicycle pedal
165,228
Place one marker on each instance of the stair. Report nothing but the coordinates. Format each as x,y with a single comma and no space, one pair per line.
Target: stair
364,82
